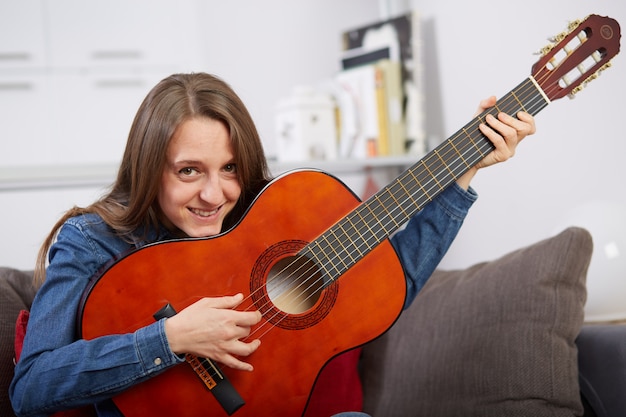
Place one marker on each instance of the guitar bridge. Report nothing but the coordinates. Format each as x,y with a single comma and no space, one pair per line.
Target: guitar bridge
209,373
201,371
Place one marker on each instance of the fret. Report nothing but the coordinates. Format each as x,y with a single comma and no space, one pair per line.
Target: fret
398,204
354,240
443,162
379,203
386,211
342,259
331,269
433,168
517,99
356,226
419,183
368,217
471,141
459,154
323,265
408,194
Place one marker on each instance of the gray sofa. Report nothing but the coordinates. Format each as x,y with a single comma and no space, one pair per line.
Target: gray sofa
501,338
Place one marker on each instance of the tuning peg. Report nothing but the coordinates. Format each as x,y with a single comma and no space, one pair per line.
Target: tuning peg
589,79
559,37
605,66
573,25
544,51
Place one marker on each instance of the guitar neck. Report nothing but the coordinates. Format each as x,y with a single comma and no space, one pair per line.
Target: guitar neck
344,244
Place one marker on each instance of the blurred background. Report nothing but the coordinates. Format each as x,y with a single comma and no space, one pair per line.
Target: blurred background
73,72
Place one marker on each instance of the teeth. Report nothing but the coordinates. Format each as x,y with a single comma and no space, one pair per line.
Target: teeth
204,213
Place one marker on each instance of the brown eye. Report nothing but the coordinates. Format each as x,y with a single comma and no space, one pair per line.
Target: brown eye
188,171
232,168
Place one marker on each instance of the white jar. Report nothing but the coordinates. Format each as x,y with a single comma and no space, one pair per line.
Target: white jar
305,126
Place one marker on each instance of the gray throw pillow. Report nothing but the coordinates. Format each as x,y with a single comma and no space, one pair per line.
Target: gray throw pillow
496,339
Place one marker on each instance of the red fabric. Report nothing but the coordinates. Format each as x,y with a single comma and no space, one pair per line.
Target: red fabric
338,387
20,332
371,187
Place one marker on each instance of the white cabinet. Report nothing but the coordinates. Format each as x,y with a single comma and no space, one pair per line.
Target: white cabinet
117,33
92,114
22,40
24,120
73,73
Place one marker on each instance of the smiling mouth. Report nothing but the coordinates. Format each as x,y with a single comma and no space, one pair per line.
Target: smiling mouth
203,213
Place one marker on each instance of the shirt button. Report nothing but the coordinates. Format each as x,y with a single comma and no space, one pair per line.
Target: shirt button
158,361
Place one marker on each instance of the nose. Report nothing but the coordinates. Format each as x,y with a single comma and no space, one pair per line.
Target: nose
211,190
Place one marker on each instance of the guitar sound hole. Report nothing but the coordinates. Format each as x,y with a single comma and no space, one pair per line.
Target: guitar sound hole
294,284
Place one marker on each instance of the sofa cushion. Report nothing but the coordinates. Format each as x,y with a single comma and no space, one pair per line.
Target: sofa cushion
496,339
601,364
16,293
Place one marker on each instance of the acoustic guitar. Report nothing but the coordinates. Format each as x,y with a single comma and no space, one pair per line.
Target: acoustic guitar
312,258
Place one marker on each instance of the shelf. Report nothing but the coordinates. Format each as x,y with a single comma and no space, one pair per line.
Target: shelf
345,166
50,177
78,176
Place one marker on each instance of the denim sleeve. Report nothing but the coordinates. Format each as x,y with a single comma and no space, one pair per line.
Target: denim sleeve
57,370
427,236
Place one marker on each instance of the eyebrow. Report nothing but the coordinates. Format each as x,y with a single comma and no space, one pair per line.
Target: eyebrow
186,162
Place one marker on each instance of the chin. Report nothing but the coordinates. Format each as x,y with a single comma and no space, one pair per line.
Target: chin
203,232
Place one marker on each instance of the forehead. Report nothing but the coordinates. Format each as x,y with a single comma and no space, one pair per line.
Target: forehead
200,138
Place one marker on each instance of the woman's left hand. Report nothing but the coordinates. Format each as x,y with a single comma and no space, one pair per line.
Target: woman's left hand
505,132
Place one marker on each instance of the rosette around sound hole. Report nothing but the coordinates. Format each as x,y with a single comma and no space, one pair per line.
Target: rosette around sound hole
289,289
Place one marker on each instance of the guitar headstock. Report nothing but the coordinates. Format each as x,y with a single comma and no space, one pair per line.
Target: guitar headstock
577,56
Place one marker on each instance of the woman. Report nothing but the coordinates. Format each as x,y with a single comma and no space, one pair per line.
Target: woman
192,165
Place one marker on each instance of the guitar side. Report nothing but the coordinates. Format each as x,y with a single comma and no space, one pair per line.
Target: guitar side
353,310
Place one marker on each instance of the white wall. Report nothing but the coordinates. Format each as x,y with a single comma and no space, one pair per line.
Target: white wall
478,48
266,48
486,47
262,48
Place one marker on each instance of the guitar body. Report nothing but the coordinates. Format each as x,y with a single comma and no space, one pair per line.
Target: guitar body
291,212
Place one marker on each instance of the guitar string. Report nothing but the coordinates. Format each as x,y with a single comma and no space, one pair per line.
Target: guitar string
454,172
500,106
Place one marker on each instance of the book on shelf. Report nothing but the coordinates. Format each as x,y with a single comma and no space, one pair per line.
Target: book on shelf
399,40
359,125
372,122
390,106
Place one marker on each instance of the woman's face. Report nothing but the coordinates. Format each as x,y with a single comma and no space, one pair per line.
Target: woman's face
199,186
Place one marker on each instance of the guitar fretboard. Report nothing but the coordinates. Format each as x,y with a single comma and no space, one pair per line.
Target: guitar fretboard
349,240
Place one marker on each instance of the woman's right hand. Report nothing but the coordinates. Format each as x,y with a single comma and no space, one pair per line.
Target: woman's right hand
211,328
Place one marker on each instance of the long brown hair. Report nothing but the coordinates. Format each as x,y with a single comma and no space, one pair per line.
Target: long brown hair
131,203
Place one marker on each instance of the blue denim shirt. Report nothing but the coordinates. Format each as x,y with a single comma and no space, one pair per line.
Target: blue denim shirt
59,371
